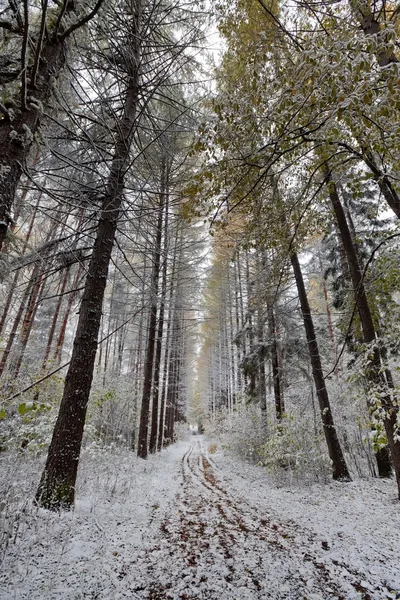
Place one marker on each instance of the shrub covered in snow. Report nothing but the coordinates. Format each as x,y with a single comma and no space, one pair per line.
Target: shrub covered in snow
242,431
293,451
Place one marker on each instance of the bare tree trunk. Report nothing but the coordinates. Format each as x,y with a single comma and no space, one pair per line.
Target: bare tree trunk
138,359
107,349
34,278
252,375
238,321
386,187
339,466
167,374
17,272
164,387
18,317
57,486
276,375
27,324
151,339
56,317
174,380
71,299
235,385
378,377
157,362
53,326
260,291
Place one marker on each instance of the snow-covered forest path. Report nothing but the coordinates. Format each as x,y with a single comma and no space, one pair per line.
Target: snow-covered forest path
191,524
216,544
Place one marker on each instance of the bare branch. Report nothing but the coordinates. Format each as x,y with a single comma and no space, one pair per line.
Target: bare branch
82,22
39,43
24,52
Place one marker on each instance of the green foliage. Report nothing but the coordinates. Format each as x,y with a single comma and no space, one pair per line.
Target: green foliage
27,407
292,448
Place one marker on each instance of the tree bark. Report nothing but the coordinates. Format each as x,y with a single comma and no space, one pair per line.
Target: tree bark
377,378
386,187
157,362
53,326
63,329
276,374
33,304
57,486
18,271
252,375
339,466
167,375
17,135
151,338
24,301
370,25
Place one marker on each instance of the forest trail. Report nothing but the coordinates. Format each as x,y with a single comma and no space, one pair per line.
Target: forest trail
195,524
217,545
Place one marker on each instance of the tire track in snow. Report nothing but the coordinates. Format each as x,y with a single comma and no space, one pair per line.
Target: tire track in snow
215,545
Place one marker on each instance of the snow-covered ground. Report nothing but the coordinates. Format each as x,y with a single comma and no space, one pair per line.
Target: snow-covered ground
189,524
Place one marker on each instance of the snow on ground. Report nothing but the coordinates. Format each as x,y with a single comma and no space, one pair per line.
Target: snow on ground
188,524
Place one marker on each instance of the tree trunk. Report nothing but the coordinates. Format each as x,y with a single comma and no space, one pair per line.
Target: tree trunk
53,326
151,339
164,410
57,486
367,16
138,358
164,387
339,466
18,271
385,185
35,276
238,321
276,374
27,324
71,298
157,362
17,135
252,375
377,378
24,301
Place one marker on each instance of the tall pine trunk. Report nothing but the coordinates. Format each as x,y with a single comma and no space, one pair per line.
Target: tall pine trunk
57,486
339,466
379,378
252,374
276,372
53,326
14,283
160,329
72,295
151,338
17,319
27,324
385,185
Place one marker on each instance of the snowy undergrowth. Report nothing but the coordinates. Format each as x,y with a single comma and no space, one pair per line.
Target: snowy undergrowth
120,500
292,451
359,522
108,548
